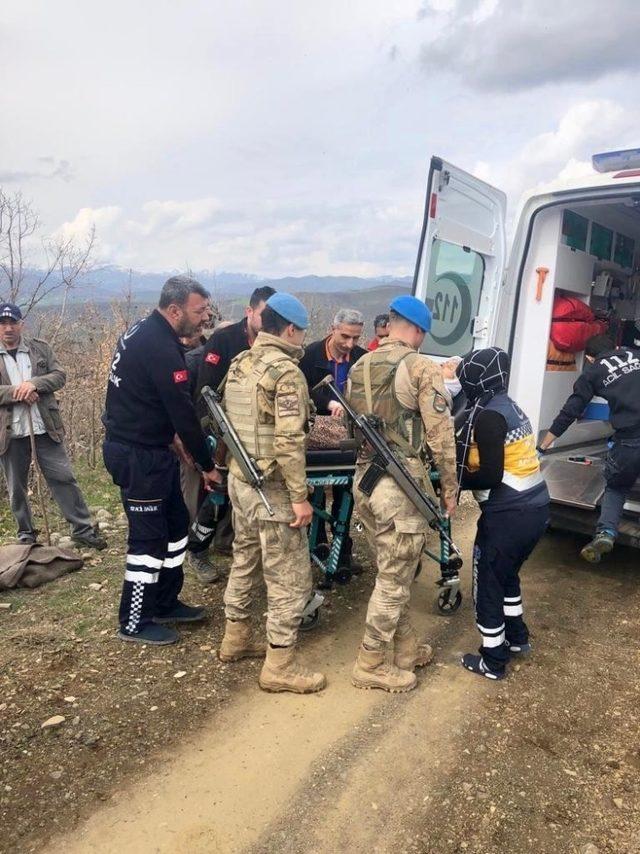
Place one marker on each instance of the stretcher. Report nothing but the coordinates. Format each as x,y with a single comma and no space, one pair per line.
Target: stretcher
334,467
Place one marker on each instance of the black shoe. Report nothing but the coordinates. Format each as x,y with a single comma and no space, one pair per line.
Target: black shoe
182,613
521,649
91,539
151,634
27,539
477,664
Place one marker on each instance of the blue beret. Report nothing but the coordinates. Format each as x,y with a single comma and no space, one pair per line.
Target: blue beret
290,308
413,310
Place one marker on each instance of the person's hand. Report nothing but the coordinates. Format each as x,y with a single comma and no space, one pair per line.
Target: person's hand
336,409
211,479
450,505
34,397
303,512
181,452
21,392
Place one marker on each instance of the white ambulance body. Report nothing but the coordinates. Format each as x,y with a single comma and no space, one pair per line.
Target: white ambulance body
580,239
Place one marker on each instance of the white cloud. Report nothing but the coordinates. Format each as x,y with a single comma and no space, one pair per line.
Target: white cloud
510,45
585,128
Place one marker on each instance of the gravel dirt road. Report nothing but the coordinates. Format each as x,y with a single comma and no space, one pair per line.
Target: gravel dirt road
546,761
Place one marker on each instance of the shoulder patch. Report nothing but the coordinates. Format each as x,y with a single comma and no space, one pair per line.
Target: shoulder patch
212,358
440,402
180,376
288,404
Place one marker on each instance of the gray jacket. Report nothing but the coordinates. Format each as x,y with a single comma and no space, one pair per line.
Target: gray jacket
48,377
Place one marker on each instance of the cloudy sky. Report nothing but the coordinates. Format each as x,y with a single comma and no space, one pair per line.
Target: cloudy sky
281,137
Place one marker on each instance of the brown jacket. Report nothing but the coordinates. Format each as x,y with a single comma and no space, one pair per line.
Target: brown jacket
48,377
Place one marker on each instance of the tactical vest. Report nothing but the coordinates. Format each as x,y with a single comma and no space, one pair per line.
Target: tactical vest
256,432
522,482
373,392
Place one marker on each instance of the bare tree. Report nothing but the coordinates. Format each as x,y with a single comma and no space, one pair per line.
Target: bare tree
64,260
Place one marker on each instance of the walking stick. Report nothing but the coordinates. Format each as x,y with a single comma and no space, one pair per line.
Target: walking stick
34,460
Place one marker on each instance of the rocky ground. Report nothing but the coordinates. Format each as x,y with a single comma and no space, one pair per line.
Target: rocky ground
104,747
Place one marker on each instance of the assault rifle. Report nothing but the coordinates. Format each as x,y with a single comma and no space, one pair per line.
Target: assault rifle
226,433
386,462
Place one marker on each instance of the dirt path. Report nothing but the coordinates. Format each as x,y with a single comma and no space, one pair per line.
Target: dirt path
546,761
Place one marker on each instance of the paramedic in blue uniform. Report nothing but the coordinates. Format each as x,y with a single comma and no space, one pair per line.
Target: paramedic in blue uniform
498,460
612,373
148,403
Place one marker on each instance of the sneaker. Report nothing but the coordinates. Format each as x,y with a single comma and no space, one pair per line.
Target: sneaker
518,648
205,571
476,664
91,539
151,634
601,544
182,613
27,539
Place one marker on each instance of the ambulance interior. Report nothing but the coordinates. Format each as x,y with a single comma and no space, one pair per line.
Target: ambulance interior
592,252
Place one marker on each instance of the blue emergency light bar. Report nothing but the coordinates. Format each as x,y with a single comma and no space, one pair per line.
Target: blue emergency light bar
612,161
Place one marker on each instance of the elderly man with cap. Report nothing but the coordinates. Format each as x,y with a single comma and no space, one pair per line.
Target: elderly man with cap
406,391
267,401
29,376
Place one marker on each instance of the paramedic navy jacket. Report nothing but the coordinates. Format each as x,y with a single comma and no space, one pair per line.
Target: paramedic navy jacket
615,376
148,398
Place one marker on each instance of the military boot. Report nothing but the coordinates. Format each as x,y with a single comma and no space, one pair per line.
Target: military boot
372,670
282,671
409,651
238,642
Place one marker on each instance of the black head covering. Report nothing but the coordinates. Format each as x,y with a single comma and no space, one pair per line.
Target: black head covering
482,375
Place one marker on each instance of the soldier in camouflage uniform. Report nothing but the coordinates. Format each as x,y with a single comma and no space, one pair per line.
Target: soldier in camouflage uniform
267,401
405,389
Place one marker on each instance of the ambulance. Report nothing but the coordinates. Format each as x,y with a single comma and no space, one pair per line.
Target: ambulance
579,240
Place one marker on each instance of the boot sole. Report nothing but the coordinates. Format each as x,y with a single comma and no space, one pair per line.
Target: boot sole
138,639
594,555
371,686
280,689
162,621
225,657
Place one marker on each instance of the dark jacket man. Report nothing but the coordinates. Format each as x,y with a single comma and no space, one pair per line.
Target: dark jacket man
333,355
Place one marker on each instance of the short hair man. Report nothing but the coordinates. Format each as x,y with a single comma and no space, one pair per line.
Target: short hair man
267,401
227,343
334,354
381,331
148,403
29,376
612,373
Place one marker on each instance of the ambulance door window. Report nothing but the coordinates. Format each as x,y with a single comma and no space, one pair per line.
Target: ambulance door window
454,285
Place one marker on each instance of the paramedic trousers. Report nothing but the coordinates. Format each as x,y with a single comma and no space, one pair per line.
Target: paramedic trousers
149,482
621,470
504,541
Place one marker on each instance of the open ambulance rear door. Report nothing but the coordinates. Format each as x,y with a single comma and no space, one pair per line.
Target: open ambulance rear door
461,260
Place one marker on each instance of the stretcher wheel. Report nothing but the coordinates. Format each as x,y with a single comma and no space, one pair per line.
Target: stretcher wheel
447,604
343,574
310,621
322,551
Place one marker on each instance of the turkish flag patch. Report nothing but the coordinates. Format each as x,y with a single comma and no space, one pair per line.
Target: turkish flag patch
212,358
180,376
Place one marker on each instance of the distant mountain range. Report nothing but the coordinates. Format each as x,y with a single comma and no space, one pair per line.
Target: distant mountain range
111,282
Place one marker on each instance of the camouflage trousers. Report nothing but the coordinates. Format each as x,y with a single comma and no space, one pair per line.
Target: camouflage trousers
265,546
396,532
